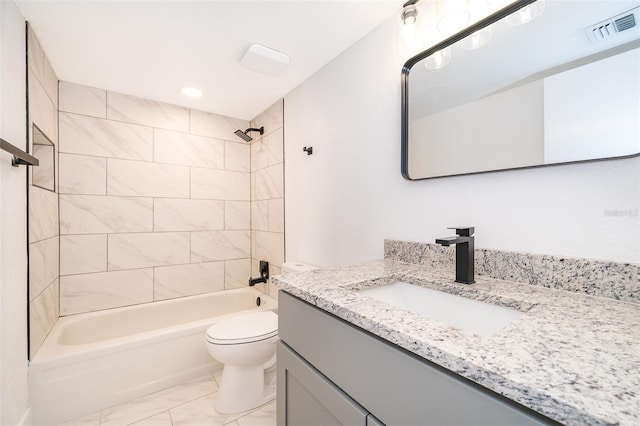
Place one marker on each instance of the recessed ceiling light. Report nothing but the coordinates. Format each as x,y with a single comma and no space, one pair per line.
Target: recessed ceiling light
191,91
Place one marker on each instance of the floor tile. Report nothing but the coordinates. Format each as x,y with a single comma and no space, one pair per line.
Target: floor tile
201,412
139,409
162,419
264,416
91,420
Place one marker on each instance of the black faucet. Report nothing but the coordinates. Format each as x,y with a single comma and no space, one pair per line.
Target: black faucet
264,274
464,253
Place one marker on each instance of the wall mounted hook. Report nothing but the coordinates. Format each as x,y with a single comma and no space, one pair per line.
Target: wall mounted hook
308,150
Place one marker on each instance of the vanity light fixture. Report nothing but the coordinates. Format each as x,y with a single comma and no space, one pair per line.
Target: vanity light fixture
410,33
409,13
192,92
438,60
477,39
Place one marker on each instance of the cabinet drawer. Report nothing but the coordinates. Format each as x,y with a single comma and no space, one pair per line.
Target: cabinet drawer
306,397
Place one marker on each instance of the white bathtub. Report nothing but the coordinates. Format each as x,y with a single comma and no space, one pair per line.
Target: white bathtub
93,361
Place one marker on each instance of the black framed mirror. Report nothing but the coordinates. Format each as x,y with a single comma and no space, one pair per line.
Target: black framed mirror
43,176
537,83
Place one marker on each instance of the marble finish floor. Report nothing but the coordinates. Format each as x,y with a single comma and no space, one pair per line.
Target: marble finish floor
189,404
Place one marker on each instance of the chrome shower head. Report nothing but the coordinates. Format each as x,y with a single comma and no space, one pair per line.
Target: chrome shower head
245,135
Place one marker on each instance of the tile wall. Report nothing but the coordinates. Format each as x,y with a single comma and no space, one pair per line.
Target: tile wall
155,201
43,204
267,191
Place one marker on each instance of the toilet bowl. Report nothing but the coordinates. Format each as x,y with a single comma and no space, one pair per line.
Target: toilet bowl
245,344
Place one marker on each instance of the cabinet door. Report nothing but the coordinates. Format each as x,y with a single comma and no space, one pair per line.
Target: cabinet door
306,397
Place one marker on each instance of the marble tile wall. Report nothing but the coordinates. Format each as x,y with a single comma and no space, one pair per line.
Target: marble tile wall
267,192
618,281
155,201
44,251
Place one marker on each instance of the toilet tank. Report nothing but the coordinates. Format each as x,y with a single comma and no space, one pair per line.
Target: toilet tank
295,266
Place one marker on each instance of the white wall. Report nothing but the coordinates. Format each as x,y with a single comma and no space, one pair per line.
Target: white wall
13,229
342,201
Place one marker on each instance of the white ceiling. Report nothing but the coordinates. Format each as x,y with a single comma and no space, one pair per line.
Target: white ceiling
152,49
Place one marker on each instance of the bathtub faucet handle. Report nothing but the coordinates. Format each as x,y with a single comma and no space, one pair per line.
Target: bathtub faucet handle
264,274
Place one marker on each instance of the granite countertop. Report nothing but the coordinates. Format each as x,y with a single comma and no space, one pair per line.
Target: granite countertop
572,357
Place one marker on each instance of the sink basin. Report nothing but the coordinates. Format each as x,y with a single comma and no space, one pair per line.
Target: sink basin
477,317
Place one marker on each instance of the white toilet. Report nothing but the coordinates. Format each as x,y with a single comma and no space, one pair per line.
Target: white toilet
244,343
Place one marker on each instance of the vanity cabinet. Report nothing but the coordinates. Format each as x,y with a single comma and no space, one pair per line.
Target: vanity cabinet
333,373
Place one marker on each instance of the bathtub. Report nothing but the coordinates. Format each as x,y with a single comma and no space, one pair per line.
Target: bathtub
93,361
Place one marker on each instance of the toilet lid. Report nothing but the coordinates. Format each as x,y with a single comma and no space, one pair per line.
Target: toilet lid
244,328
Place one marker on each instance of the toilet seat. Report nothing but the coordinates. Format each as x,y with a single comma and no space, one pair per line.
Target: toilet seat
244,328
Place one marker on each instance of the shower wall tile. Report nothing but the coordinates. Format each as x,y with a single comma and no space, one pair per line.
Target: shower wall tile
267,191
269,246
51,259
36,55
188,215
42,110
141,250
276,215
237,215
236,273
50,81
104,138
43,214
138,178
220,245
216,126
93,214
237,156
274,147
269,183
92,292
82,254
258,155
84,100
81,174
131,109
43,204
271,119
220,184
43,312
36,269
147,186
189,150
186,280
260,215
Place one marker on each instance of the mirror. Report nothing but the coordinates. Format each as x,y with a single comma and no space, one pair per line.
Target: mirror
563,87
43,176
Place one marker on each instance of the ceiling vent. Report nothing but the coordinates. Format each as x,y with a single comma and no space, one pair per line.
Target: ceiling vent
606,29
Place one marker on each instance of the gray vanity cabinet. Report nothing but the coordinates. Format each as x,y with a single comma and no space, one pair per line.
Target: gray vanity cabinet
331,372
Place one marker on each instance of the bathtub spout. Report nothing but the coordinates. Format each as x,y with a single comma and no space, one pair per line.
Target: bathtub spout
264,274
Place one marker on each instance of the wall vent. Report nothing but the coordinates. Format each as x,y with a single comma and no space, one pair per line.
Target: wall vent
606,29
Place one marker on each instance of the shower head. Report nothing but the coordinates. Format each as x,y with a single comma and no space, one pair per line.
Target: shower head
245,135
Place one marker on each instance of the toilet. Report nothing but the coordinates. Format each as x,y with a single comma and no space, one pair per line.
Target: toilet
246,344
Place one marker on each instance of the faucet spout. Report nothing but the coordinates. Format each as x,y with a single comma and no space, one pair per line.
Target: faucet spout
465,250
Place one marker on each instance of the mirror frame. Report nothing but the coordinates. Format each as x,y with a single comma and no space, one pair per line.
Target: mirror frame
406,69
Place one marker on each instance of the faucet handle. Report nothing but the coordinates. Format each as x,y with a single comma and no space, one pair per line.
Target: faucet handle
463,231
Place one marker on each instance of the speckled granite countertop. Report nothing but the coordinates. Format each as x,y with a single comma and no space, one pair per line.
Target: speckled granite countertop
572,357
